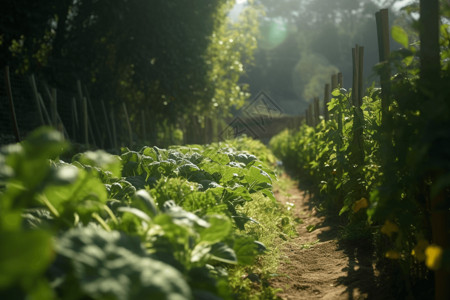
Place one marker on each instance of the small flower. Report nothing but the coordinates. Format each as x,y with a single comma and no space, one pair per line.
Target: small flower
389,228
434,255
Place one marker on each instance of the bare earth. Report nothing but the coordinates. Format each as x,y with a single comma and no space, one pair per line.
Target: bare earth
315,266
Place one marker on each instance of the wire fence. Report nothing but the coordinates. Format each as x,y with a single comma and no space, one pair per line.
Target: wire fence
95,124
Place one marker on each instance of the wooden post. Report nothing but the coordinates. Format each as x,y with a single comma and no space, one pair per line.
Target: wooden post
113,125
44,109
334,82
105,116
355,84
316,111
430,90
93,120
382,19
130,133
430,62
36,98
311,119
85,113
11,104
358,119
360,76
144,131
340,80
75,122
326,99
85,121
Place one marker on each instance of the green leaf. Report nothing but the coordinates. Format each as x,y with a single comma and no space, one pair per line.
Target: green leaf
101,159
218,230
80,196
24,255
200,253
144,201
112,265
134,211
246,250
400,36
221,252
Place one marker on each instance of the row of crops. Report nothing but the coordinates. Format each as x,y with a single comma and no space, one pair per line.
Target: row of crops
391,186
188,222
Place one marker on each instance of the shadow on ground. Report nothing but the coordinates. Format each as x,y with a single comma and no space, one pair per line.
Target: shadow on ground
362,279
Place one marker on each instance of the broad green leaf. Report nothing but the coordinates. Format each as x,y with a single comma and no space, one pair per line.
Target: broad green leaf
80,196
400,36
112,265
101,159
246,250
218,230
221,252
144,201
200,253
24,256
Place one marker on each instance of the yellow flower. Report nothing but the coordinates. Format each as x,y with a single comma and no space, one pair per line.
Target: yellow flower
434,257
389,228
361,203
393,254
419,250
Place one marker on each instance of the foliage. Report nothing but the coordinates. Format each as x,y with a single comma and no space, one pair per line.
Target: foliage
169,59
159,223
390,196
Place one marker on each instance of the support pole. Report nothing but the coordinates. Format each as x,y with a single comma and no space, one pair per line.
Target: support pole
11,104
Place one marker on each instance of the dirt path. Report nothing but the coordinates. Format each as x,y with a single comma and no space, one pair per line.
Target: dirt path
315,266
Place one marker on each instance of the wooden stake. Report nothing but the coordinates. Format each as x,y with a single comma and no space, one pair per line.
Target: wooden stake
355,85
316,111
334,82
36,98
113,125
360,75
382,19
11,104
144,131
326,99
44,109
130,133
340,80
105,117
431,90
85,121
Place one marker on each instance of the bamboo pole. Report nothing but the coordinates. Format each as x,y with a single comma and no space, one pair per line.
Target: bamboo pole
130,133
32,81
11,104
85,121
93,118
105,116
113,127
144,131
44,109
75,123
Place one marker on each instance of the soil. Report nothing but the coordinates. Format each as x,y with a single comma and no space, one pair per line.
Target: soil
316,266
